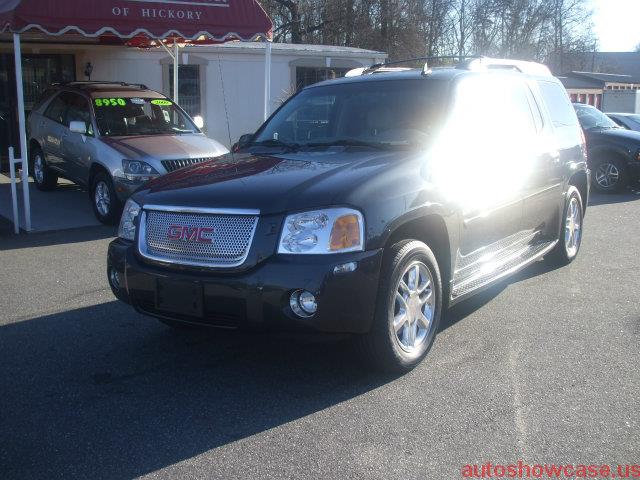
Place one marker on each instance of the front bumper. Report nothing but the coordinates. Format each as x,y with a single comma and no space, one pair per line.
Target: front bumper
124,188
258,299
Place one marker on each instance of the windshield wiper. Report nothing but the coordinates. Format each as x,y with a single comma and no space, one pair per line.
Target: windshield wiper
290,147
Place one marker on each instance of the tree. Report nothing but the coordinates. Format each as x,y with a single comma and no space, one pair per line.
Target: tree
543,30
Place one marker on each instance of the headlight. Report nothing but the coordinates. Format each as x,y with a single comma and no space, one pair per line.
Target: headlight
334,230
137,171
127,229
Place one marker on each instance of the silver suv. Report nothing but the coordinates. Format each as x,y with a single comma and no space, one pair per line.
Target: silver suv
111,138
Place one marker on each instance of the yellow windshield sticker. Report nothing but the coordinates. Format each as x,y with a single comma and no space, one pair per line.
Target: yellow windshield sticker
161,103
110,102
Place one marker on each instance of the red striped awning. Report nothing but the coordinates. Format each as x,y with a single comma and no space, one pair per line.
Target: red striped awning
137,22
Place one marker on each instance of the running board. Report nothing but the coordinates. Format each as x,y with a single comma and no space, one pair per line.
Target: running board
493,272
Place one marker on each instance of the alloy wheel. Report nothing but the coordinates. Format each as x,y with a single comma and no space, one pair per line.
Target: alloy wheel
607,175
573,228
102,198
414,307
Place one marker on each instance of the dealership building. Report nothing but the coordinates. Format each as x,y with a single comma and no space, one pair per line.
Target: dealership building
222,83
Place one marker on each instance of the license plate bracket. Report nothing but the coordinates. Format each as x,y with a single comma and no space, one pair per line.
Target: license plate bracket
180,297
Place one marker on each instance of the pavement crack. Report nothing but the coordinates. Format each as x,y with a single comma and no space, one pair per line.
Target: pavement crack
518,406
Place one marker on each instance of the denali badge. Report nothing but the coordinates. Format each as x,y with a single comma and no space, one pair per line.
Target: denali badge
190,234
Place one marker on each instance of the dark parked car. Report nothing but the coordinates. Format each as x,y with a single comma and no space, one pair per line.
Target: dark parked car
111,138
614,152
399,194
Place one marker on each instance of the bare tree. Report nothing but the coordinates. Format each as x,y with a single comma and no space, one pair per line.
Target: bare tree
544,30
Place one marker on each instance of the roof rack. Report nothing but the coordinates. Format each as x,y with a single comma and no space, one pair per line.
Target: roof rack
98,82
487,63
471,62
388,66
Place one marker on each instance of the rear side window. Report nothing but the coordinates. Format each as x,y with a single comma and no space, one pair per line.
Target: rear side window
558,104
495,108
56,109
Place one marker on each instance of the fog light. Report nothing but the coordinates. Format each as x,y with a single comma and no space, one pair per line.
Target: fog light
303,303
114,278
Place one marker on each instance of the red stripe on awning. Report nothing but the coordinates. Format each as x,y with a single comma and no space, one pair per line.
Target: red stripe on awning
136,20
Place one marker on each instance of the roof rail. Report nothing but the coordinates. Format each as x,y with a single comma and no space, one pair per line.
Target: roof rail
98,82
471,62
487,63
386,67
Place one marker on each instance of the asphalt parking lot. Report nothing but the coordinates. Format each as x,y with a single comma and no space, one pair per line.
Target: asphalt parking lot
543,368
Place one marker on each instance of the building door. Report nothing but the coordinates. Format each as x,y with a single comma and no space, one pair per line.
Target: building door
38,72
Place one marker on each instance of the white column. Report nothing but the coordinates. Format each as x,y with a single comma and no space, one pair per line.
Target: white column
176,66
14,196
23,132
267,80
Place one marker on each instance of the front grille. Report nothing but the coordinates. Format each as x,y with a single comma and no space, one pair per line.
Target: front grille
231,238
173,165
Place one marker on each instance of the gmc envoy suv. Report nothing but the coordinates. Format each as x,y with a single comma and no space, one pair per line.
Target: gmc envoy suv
365,206
111,138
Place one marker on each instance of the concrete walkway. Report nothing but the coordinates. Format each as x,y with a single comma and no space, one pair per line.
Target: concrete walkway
64,208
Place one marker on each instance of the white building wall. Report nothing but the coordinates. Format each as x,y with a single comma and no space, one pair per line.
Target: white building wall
228,74
621,101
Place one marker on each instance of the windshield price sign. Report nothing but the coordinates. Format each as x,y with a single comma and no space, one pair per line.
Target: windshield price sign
161,103
110,102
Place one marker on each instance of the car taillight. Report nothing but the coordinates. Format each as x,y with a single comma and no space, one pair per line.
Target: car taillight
584,142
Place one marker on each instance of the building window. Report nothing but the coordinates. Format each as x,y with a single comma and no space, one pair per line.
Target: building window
189,88
306,76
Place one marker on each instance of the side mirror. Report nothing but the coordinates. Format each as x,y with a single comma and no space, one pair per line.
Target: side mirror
78,127
244,141
198,121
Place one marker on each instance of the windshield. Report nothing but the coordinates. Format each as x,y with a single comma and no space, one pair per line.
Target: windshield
592,118
365,114
140,116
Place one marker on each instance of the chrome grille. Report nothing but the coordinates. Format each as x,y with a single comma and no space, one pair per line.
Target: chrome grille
231,238
173,165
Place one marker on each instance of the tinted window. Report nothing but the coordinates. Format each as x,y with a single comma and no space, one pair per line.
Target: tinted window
78,110
494,107
393,113
558,104
56,109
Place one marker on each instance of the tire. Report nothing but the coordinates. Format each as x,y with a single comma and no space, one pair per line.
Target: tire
43,177
104,200
394,344
570,238
609,175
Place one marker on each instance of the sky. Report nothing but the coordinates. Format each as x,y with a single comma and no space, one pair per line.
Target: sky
616,23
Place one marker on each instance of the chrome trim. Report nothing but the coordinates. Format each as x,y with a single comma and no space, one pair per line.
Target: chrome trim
455,298
205,211
142,235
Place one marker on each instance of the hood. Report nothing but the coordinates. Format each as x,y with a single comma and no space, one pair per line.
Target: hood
165,147
274,183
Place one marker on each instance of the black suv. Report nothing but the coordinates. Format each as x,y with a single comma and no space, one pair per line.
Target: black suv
365,206
614,152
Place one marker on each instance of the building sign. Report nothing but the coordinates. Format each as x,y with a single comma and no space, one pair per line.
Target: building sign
167,9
